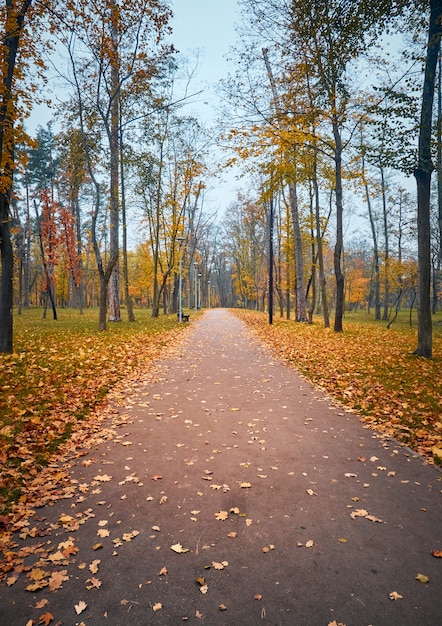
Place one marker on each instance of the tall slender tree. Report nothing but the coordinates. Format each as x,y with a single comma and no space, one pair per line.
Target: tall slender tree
422,174
13,29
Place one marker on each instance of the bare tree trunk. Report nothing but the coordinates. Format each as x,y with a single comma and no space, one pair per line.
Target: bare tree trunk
301,306
127,298
7,113
423,180
322,279
114,217
387,248
377,280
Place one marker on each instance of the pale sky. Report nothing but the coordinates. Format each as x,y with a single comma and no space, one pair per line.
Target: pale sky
208,26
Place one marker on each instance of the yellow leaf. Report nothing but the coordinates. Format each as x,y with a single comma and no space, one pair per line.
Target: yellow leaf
422,578
178,548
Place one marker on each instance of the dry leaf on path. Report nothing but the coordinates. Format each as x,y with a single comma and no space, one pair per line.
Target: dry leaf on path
422,578
57,579
103,478
46,619
178,548
80,607
41,603
221,515
394,595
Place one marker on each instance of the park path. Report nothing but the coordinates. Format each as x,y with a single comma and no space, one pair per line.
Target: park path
234,493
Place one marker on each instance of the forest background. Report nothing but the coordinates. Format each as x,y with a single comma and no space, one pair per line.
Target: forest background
322,118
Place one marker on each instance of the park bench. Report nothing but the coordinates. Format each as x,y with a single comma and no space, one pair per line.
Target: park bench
185,318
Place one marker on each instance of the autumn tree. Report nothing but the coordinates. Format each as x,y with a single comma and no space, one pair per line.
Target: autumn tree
113,48
422,174
19,50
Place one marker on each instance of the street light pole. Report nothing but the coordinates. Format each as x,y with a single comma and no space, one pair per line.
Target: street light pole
181,241
195,284
199,290
208,290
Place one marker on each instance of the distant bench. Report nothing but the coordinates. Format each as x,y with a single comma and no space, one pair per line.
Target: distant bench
185,318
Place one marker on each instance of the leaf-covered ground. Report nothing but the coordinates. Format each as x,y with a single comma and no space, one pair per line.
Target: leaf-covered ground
57,374
369,369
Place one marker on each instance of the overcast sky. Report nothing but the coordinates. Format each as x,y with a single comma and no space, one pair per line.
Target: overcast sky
208,26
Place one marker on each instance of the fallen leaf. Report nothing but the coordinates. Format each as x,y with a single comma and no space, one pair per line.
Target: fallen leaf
41,603
80,607
57,579
178,548
198,614
436,553
309,543
103,532
204,589
93,583
245,485
394,595
38,574
422,578
157,607
232,535
163,571
103,478
221,515
258,596
222,607
46,619
93,567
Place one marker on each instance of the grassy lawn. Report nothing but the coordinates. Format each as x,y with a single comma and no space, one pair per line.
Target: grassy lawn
369,369
58,372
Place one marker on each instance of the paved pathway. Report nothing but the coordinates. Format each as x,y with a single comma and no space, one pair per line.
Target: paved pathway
282,509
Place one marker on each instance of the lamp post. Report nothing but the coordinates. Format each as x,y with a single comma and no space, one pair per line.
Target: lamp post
208,290
199,290
181,241
195,285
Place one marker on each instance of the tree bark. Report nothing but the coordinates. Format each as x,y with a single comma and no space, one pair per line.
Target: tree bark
9,48
114,217
423,180
127,298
